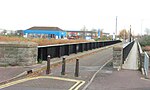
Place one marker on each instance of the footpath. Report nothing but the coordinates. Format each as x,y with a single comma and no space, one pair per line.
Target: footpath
129,78
12,72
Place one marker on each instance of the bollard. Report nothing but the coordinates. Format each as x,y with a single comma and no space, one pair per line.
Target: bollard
77,68
63,66
48,70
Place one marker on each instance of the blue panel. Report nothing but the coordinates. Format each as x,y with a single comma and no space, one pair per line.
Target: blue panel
99,33
58,33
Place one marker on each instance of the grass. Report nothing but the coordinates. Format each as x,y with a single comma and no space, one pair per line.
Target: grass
40,41
145,43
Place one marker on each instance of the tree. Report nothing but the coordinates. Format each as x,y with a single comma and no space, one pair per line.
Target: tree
123,34
4,32
147,31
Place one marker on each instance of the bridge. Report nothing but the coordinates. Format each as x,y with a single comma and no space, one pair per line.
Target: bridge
112,67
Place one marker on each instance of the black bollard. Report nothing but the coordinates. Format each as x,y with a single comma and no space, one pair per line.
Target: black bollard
48,70
63,66
77,68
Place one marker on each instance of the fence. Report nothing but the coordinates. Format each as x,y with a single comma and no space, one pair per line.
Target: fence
126,50
144,61
67,49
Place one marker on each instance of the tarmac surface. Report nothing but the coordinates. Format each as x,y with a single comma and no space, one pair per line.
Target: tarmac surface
132,61
95,73
111,79
11,72
88,66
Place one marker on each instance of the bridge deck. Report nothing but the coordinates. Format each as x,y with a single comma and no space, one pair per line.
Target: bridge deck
132,60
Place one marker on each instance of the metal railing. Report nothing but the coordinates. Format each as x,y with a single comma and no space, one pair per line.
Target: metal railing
140,53
72,48
126,50
144,61
146,64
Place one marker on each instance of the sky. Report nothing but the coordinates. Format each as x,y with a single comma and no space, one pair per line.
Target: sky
75,14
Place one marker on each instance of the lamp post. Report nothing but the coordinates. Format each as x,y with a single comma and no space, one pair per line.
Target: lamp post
116,27
141,26
130,34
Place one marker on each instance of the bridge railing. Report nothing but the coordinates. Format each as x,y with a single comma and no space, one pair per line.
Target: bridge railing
144,61
120,54
126,50
71,48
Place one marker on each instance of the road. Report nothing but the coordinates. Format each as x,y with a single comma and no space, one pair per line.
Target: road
88,66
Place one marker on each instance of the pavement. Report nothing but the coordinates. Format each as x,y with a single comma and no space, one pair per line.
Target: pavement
111,79
129,78
12,72
96,73
132,61
55,81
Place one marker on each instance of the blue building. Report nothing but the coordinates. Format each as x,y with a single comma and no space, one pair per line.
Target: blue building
44,32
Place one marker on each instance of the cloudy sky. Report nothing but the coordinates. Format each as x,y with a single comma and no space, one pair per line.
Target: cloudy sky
74,14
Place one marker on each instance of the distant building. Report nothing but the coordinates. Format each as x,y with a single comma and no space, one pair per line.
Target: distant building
81,34
105,34
19,32
44,32
7,32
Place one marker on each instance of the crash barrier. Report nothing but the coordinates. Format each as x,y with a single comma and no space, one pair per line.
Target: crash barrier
126,50
72,48
144,61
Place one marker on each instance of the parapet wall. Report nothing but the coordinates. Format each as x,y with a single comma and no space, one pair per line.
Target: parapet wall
117,56
18,53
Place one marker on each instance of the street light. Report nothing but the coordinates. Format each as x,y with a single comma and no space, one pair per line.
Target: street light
141,26
130,34
116,26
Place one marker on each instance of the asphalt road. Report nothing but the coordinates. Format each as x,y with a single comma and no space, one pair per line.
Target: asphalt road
88,65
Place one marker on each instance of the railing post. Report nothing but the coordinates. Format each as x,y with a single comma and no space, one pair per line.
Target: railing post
48,70
41,54
59,51
142,61
146,64
63,66
68,49
90,46
77,68
76,48
86,46
82,47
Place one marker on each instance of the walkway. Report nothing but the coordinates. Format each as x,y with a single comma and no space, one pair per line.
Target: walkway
129,78
132,61
110,79
9,73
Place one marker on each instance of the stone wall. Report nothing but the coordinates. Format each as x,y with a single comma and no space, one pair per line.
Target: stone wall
18,53
117,56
